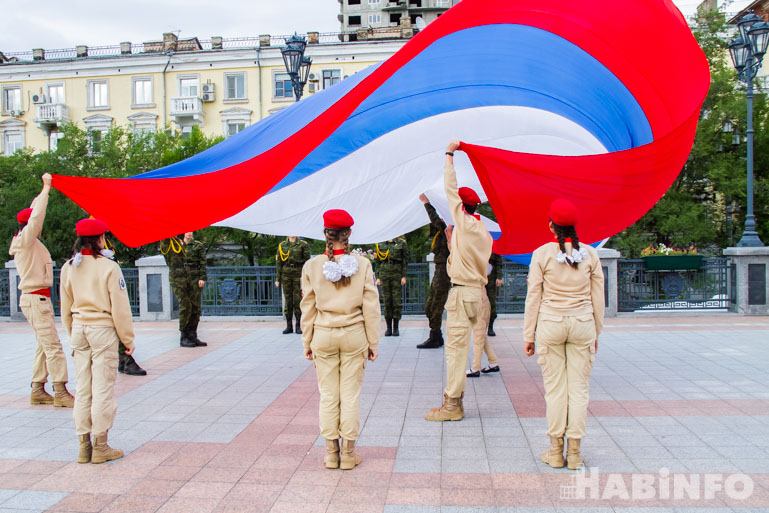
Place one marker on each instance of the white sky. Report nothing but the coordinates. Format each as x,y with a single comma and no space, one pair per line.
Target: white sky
54,24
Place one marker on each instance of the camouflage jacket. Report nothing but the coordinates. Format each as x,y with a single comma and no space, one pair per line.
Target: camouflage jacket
496,262
186,261
291,257
395,254
438,243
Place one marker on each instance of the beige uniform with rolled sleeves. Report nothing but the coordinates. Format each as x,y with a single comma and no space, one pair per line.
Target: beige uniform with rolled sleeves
340,325
33,262
96,313
564,312
470,250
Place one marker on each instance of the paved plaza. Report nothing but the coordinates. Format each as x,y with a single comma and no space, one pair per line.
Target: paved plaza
678,402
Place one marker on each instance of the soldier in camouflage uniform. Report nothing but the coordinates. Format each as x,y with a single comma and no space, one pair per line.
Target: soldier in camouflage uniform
439,287
392,258
292,254
186,259
494,282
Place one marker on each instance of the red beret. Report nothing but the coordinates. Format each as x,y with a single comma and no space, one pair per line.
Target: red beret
563,212
337,219
90,228
23,216
467,195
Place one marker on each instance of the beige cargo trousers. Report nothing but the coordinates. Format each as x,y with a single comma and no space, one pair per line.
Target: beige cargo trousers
480,340
49,356
566,353
96,362
339,356
463,308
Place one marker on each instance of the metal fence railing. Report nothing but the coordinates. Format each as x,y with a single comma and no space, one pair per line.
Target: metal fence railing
241,291
692,289
511,296
5,296
131,276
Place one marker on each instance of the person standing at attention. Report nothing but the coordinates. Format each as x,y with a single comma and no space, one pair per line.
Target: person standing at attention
340,330
564,315
470,249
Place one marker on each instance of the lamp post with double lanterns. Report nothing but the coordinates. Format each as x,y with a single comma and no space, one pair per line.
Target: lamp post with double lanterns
297,65
747,52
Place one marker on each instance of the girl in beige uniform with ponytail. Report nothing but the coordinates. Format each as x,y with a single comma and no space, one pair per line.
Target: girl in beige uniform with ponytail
96,313
340,330
564,312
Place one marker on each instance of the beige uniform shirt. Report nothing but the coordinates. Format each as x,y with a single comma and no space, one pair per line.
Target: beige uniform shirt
559,289
94,294
33,261
323,304
470,240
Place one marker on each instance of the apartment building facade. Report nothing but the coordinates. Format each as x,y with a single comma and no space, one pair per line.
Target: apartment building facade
359,17
220,85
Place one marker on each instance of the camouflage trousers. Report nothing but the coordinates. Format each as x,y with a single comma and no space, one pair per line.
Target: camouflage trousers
436,297
291,283
188,294
491,291
392,291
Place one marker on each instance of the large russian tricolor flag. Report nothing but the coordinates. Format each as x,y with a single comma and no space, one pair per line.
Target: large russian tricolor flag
594,101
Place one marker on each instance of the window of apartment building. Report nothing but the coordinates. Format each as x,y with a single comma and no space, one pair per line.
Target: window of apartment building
143,122
283,87
55,93
95,138
142,92
53,140
353,20
373,2
11,99
415,3
395,17
233,127
189,87
353,2
443,3
234,86
12,142
96,126
374,18
331,77
98,94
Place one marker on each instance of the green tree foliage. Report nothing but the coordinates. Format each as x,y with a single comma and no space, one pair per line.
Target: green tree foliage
706,204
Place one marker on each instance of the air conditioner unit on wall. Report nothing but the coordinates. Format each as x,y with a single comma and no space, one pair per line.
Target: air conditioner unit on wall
208,97
312,76
39,98
313,86
208,88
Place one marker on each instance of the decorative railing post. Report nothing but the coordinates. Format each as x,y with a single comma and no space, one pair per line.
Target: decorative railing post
155,297
750,280
609,259
13,290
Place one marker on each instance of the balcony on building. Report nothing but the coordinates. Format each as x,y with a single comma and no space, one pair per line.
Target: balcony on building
50,115
187,110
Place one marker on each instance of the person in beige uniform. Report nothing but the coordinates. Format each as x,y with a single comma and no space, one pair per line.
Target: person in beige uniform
96,313
564,313
481,342
469,253
340,330
33,262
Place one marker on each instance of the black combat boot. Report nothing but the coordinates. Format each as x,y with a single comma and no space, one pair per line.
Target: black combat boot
298,329
396,333
389,324
192,333
128,365
490,331
289,327
435,340
184,340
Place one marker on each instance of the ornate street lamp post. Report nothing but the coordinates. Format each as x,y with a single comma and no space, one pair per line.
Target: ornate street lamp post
747,52
297,65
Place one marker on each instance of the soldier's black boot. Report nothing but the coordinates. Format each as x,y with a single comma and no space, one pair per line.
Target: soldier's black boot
298,329
490,331
396,332
192,333
289,327
128,365
389,324
435,340
185,341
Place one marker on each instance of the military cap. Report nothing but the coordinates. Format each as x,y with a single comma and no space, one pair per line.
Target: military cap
467,195
90,227
563,212
23,216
